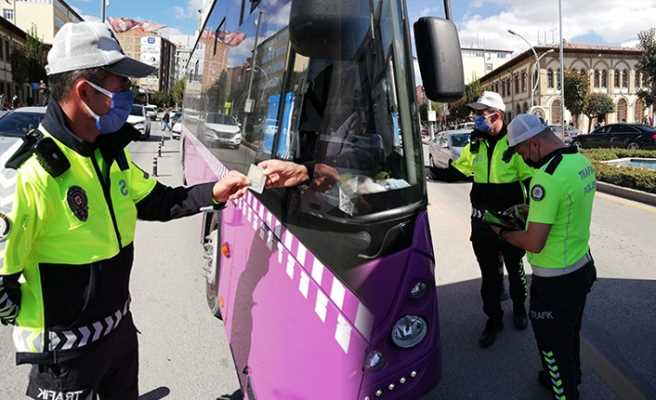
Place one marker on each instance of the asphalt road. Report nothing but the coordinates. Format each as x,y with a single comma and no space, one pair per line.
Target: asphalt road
184,355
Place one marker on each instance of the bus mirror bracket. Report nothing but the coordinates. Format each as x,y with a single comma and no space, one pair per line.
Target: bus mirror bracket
440,58
332,30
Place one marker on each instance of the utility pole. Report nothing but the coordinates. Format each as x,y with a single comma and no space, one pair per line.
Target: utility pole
562,70
103,9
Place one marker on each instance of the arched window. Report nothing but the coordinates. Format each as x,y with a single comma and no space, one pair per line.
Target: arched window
555,112
516,83
503,89
621,110
523,81
637,82
639,110
597,78
508,87
625,78
604,79
617,78
550,78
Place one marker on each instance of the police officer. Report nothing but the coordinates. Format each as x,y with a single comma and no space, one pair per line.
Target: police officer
67,228
497,186
556,238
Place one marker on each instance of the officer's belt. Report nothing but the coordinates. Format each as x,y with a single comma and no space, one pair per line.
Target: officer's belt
553,272
31,349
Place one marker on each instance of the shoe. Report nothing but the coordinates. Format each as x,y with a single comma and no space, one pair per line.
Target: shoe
544,380
520,319
489,335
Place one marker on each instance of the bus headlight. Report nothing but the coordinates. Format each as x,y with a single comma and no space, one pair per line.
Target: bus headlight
374,360
409,331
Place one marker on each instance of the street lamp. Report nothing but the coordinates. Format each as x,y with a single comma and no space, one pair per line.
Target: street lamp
537,59
537,81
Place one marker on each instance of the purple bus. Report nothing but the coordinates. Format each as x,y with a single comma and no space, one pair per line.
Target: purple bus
326,290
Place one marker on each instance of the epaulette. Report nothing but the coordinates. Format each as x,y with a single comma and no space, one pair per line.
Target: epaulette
49,155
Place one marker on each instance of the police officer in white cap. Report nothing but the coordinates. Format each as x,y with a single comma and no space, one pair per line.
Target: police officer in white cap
556,239
67,230
497,186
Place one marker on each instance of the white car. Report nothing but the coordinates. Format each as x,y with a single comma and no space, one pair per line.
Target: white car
446,148
151,112
138,119
222,131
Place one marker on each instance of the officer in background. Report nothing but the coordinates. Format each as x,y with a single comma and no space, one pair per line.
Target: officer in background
563,270
67,229
497,186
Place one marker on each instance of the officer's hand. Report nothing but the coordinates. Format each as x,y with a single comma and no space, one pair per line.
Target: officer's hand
231,187
281,173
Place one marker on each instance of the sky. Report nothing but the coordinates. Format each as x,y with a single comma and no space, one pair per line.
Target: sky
481,23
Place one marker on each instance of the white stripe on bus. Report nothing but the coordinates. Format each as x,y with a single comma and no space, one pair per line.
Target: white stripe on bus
337,293
317,271
321,306
343,333
304,284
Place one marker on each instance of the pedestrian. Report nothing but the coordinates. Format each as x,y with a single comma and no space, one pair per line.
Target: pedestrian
67,231
166,121
15,102
497,186
563,269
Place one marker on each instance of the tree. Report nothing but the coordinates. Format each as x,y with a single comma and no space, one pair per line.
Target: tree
577,88
458,110
178,91
596,106
27,64
647,65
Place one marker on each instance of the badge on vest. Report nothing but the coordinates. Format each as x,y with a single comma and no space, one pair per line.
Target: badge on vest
537,193
77,201
5,227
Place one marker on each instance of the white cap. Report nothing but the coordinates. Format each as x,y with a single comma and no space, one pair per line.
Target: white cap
488,100
523,127
85,45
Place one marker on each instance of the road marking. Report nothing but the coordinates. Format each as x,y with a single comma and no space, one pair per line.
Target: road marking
609,374
627,202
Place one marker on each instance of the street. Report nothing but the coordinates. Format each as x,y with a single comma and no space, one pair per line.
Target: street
184,355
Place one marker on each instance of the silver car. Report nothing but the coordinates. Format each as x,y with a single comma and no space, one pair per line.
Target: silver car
446,148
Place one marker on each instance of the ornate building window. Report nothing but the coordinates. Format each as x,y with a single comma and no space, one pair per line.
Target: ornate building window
523,81
638,79
597,78
617,78
604,79
625,78
550,78
516,83
508,87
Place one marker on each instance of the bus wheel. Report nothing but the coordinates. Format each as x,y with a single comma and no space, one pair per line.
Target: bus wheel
211,255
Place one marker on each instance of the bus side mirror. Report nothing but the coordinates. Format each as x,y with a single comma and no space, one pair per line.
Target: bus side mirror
332,30
440,59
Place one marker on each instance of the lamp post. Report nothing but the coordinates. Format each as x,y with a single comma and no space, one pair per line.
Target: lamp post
537,59
537,69
103,9
562,70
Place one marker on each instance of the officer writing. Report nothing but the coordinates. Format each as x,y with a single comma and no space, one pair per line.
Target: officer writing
67,230
556,238
497,186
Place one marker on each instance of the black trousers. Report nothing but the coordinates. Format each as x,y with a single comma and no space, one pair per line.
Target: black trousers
108,371
492,253
556,312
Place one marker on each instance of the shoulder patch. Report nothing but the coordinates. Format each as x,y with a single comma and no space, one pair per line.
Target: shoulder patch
5,227
537,192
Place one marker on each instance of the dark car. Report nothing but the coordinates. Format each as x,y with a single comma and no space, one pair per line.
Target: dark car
628,136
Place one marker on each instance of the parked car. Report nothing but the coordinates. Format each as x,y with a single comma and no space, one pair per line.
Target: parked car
222,131
18,122
570,132
139,120
151,112
446,148
629,136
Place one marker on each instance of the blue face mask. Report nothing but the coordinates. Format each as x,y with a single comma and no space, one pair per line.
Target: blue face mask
118,113
481,124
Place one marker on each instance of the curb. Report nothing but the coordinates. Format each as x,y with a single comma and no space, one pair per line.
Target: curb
631,194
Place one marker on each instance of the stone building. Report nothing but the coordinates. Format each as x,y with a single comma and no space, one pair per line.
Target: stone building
612,70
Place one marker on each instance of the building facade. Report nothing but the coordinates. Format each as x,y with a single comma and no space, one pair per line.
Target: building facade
13,39
44,16
611,70
478,62
154,50
182,56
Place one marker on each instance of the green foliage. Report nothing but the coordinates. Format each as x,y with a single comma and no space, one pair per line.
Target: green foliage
178,91
634,178
28,63
458,110
597,105
647,64
161,99
577,88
